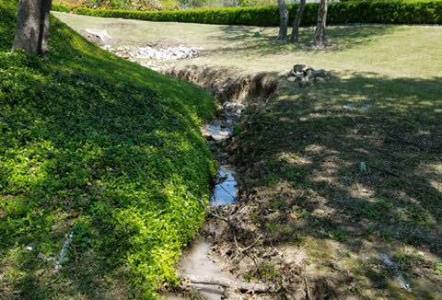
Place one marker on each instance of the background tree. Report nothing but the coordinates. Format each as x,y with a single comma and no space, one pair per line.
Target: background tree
319,38
33,26
297,22
283,20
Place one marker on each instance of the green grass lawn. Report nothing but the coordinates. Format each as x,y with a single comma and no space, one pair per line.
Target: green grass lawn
395,51
302,156
102,148
351,167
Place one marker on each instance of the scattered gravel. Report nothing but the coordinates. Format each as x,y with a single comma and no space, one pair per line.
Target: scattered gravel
167,53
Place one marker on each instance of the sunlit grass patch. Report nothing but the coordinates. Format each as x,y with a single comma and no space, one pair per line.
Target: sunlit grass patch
105,152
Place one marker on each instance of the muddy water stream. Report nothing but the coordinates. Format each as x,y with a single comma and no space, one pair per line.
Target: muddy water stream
199,265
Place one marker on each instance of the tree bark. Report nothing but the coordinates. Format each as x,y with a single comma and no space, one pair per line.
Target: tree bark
33,26
44,32
283,20
320,38
297,22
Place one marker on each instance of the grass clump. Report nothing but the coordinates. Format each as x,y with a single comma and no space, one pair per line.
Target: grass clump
101,148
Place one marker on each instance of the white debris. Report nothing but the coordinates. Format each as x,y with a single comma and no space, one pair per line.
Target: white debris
62,257
363,167
167,53
389,263
351,107
217,132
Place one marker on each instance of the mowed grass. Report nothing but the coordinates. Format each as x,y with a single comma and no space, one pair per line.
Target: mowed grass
101,148
397,51
351,167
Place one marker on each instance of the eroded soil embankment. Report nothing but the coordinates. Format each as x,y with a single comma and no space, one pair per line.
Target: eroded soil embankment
205,268
226,85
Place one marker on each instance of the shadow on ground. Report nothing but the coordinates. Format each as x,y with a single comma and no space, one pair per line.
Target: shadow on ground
263,40
356,161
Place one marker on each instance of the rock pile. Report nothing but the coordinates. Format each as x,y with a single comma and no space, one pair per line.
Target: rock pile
305,75
96,36
169,53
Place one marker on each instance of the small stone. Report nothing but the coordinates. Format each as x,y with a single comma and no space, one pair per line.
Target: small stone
320,73
299,68
308,72
291,78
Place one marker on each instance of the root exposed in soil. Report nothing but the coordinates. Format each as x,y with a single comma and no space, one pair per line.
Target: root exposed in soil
249,254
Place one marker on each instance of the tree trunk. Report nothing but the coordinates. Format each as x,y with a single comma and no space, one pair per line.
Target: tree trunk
44,33
33,26
297,22
320,38
283,20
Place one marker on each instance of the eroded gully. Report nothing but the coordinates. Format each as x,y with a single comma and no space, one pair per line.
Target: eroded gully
204,273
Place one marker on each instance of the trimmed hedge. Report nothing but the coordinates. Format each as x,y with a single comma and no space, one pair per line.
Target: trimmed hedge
378,11
62,8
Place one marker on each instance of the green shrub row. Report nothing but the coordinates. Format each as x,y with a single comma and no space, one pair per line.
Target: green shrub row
62,8
378,11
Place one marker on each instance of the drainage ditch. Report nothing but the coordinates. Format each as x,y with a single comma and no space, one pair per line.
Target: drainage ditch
203,271
205,274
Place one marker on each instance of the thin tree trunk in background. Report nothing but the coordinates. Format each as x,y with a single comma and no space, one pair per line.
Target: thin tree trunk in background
44,25
319,38
33,26
283,20
297,22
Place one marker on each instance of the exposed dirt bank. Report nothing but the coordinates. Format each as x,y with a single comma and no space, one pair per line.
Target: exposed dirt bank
227,85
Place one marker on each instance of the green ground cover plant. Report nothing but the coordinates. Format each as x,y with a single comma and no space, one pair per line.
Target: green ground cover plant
103,150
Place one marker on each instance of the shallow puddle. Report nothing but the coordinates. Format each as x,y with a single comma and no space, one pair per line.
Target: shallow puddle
217,131
197,265
199,268
226,187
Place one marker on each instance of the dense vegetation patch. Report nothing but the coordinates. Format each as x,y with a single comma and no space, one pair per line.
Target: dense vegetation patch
119,4
105,150
156,4
379,11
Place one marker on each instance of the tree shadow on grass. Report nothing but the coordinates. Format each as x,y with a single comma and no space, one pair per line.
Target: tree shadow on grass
354,160
262,41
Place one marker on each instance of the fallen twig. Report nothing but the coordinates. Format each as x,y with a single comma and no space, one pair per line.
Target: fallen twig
219,217
229,284
385,171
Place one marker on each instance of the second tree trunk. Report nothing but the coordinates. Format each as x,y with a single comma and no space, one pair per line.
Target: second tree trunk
283,20
297,22
319,38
